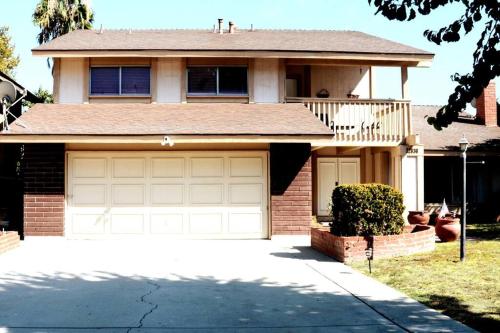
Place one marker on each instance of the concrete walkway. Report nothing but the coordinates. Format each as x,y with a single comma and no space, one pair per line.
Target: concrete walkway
56,285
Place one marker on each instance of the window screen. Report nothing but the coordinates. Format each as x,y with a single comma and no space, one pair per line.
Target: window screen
120,80
105,80
233,80
202,80
217,80
135,80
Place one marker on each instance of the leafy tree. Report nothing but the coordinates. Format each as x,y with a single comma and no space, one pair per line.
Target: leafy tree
486,64
58,17
8,61
44,95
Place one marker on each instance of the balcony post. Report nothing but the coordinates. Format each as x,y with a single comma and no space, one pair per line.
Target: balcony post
405,95
371,82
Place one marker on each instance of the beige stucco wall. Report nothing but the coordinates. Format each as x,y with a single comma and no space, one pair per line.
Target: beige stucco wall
266,81
71,80
341,80
169,80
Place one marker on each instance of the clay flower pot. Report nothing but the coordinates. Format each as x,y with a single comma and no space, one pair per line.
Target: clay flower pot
418,217
448,228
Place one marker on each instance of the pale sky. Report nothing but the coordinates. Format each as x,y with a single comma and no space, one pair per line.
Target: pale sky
427,85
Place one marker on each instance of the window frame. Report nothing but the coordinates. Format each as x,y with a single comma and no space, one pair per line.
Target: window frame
217,93
120,81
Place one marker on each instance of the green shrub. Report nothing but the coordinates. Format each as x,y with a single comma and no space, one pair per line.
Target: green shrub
367,209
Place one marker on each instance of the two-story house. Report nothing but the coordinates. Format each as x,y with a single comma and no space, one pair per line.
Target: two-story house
224,133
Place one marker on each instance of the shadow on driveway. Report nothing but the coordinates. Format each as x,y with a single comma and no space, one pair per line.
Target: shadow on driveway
111,302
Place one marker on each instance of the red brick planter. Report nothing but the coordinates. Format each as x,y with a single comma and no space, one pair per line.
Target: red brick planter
415,239
8,241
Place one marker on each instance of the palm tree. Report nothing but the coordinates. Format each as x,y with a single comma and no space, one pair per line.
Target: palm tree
58,17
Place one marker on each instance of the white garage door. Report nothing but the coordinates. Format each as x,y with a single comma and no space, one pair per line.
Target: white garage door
179,195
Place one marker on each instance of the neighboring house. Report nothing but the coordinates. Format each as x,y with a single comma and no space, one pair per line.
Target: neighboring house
11,193
443,162
211,134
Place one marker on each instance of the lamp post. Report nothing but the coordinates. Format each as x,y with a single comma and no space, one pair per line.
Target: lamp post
463,143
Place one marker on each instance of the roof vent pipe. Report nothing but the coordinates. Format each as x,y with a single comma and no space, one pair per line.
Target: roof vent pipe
215,29
232,27
101,30
221,29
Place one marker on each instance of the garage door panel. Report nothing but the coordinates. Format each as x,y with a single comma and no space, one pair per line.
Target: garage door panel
167,167
89,195
127,223
207,167
88,224
206,194
247,194
245,167
89,168
167,194
171,224
128,194
128,167
206,223
245,222
209,194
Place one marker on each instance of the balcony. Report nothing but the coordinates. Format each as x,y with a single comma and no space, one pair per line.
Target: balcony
360,122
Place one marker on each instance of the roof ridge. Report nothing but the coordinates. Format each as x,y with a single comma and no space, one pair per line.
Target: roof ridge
211,29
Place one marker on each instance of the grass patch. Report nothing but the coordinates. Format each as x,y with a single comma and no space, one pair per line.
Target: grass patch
466,291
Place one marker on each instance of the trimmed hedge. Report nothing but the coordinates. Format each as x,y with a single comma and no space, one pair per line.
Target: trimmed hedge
367,209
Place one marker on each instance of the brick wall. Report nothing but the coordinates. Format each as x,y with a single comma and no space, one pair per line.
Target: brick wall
291,189
44,190
486,106
416,239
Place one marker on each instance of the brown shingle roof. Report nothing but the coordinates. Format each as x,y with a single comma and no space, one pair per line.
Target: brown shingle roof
481,138
172,119
242,40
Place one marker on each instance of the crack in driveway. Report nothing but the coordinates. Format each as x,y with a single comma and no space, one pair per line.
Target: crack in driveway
142,299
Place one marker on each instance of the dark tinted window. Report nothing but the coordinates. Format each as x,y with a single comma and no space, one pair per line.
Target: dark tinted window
105,80
233,80
202,80
135,80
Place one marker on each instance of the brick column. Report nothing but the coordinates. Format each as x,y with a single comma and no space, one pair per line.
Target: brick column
291,189
44,190
486,106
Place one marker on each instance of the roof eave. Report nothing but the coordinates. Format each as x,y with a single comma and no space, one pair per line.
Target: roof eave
409,59
176,138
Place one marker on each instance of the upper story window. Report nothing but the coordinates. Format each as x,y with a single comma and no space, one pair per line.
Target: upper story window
217,81
120,80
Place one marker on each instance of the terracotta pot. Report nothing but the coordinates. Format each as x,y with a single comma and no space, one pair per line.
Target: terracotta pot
448,229
418,217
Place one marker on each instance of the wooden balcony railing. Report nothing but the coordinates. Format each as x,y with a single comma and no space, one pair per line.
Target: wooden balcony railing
361,121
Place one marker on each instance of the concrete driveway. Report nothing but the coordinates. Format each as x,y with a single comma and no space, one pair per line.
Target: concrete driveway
56,285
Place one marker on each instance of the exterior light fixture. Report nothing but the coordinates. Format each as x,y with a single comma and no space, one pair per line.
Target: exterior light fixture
167,141
464,144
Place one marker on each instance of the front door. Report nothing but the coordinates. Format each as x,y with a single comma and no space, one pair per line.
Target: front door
331,172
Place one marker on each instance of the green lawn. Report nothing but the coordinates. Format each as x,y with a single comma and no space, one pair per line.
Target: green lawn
466,291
